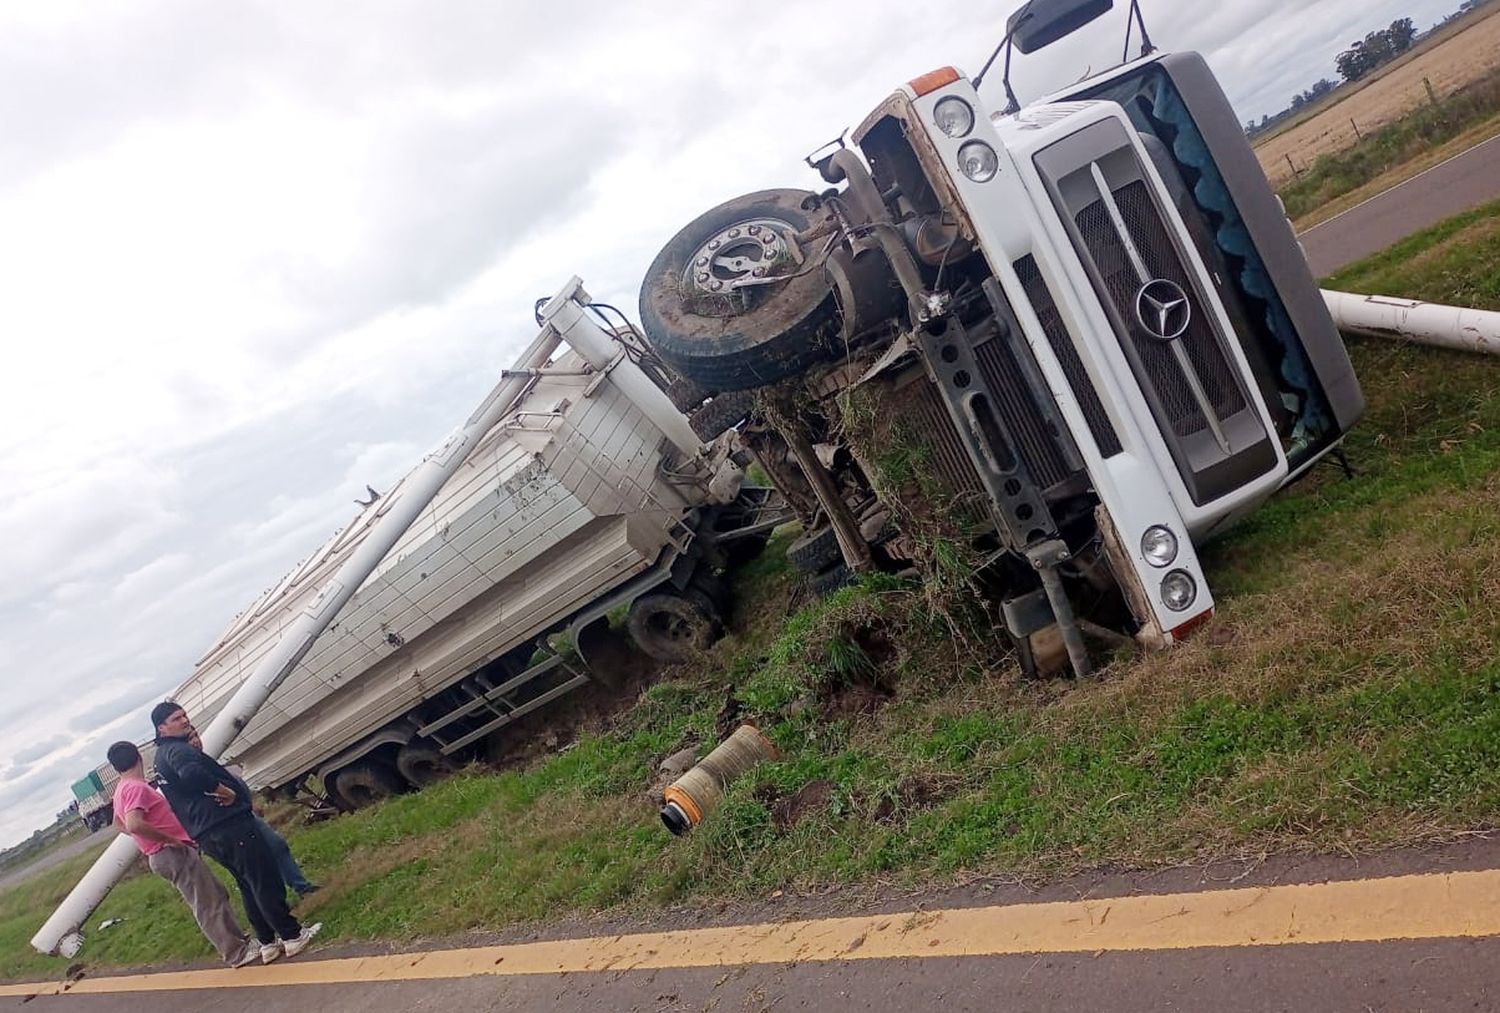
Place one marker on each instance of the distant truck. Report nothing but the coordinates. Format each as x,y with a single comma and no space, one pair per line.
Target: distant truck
595,494
1073,340
94,798
95,791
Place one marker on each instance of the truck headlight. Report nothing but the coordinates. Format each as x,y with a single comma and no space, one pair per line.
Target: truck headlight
1159,545
1178,590
953,116
978,161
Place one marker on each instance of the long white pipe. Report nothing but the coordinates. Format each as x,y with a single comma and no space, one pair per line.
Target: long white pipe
1427,323
62,932
566,313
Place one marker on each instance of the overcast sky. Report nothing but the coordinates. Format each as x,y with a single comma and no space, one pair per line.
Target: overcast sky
254,256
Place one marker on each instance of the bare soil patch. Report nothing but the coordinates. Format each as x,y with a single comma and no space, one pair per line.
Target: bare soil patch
1448,63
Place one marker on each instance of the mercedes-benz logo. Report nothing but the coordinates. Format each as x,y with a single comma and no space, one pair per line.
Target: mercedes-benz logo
1162,308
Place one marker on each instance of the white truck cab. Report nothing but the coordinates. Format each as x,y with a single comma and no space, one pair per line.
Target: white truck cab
1086,321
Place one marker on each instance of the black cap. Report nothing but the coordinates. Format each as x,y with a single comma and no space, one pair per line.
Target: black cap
162,711
676,820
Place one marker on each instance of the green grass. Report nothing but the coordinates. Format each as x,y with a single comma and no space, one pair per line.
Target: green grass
1345,698
1456,262
1424,128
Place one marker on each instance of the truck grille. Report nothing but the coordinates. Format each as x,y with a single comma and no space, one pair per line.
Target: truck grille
1042,303
1038,448
934,428
1013,402
1161,310
1185,416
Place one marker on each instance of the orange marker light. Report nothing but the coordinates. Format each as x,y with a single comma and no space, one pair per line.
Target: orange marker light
933,80
1180,633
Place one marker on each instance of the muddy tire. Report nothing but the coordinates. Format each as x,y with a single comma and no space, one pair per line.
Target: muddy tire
740,337
722,413
670,627
421,764
830,580
815,551
363,783
686,394
606,654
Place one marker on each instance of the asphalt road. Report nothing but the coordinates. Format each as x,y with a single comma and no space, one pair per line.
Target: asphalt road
50,858
1437,975
1446,189
1400,931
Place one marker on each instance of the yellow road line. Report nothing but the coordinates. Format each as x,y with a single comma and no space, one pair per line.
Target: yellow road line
1460,904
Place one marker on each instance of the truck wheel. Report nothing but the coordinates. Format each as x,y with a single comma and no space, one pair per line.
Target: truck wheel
672,628
830,580
606,654
722,413
421,764
706,313
685,394
816,550
365,783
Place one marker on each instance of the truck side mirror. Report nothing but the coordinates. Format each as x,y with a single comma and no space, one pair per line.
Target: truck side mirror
1042,22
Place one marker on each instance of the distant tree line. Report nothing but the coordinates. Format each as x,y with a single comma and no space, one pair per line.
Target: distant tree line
1377,48
1301,99
1359,59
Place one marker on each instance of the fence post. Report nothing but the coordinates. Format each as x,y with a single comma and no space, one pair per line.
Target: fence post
1431,95
1357,135
1291,165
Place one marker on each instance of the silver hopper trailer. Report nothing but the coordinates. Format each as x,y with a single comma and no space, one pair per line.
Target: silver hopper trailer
592,492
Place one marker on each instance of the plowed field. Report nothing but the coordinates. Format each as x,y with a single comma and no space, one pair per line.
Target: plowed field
1448,62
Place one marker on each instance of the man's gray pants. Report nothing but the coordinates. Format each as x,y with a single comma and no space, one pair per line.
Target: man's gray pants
205,895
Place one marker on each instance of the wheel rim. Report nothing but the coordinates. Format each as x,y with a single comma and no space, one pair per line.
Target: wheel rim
360,795
736,260
673,628
422,771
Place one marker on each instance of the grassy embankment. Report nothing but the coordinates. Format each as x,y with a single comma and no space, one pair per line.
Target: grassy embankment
1398,151
1346,698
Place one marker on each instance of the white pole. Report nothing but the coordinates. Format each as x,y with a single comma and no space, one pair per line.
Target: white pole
566,313
1468,330
63,930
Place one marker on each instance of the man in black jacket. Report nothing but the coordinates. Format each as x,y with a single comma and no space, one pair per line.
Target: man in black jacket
215,810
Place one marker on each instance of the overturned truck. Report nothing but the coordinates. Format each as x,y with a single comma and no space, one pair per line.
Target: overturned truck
1075,339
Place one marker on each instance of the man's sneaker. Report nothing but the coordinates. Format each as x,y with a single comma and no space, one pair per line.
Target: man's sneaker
249,955
302,942
271,951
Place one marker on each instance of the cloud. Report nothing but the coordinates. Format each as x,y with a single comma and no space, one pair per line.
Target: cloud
80,526
26,757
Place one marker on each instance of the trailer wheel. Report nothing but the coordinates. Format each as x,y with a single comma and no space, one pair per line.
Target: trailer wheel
364,783
422,763
706,311
672,628
685,394
606,654
722,413
816,550
830,580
